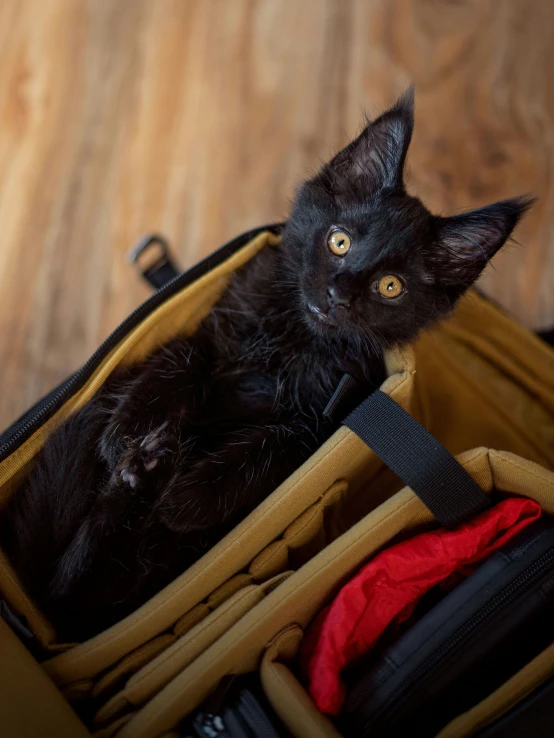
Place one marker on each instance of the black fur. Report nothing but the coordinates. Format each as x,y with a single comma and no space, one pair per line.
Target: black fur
168,457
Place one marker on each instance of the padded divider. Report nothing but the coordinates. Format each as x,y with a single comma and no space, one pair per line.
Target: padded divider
287,696
111,730
156,674
302,539
137,659
191,618
228,589
134,662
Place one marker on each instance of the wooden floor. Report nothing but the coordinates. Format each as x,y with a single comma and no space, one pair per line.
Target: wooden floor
197,117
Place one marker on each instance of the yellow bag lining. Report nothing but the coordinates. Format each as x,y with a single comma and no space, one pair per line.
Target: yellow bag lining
523,365
305,592
480,366
523,427
30,704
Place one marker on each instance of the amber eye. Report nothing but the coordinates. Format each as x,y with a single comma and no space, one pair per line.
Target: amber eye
339,242
390,286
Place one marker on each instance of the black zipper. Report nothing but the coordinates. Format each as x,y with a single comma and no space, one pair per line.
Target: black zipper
255,717
521,582
28,423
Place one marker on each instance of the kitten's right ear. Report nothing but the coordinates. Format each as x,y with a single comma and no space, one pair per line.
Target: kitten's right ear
377,156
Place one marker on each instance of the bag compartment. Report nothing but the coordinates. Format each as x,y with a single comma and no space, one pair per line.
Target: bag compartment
471,642
31,705
298,599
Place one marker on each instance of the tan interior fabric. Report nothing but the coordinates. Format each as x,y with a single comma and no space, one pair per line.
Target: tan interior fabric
30,705
485,381
304,593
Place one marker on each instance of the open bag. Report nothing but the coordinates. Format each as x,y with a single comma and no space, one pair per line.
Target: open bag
477,380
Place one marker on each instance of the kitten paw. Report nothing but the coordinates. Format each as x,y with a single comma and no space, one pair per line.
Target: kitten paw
144,455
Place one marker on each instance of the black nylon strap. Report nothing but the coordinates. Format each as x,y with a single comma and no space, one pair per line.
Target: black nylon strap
347,395
420,461
160,274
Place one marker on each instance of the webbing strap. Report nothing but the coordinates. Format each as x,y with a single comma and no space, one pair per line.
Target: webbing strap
420,461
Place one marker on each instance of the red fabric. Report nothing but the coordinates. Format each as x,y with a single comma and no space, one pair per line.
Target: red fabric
388,588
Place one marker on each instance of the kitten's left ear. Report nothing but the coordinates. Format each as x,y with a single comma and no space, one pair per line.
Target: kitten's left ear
467,242
379,152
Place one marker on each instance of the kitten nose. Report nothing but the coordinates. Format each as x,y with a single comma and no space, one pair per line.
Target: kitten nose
338,298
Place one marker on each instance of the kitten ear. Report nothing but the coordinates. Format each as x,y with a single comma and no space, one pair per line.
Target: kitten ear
379,152
467,242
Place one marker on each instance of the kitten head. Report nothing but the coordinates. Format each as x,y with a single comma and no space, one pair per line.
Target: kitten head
371,260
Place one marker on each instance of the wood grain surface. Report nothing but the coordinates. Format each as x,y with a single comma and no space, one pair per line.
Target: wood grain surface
197,117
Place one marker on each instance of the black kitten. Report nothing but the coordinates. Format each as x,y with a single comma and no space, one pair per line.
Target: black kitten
171,455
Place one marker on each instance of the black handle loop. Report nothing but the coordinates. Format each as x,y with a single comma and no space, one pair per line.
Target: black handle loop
421,462
159,271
